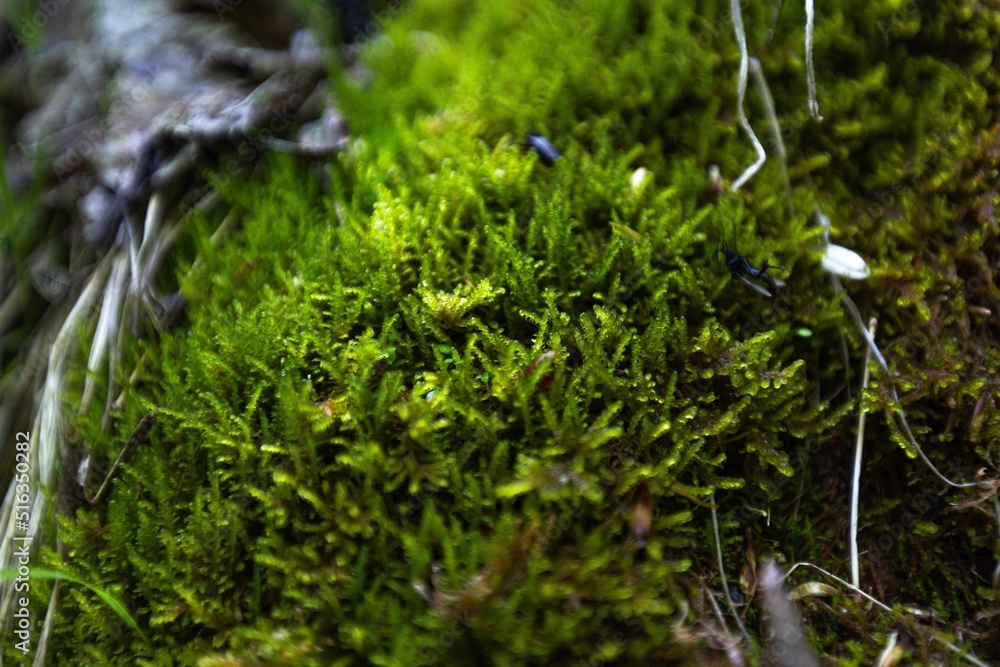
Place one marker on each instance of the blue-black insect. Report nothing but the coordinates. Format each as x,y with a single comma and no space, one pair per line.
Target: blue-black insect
741,267
547,153
757,279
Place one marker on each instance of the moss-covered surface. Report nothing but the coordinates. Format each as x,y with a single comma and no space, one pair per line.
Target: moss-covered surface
414,414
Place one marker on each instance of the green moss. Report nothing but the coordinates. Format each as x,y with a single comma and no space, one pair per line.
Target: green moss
406,420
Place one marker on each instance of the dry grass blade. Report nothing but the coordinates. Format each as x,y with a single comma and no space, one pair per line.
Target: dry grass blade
107,324
891,653
812,589
840,581
873,347
741,91
722,571
47,434
968,658
858,452
154,218
772,118
810,69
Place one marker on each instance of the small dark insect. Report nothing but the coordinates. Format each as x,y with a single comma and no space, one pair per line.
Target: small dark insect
741,267
547,153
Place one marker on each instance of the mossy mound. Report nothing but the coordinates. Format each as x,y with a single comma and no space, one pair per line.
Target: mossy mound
415,412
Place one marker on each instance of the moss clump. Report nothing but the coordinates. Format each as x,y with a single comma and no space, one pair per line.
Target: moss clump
408,418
